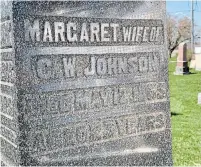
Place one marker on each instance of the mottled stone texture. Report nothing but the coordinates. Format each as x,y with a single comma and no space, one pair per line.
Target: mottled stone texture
84,83
182,63
8,94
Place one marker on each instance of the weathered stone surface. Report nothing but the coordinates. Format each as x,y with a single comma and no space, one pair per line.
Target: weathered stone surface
92,84
8,94
6,24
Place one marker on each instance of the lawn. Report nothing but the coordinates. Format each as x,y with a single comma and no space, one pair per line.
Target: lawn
185,117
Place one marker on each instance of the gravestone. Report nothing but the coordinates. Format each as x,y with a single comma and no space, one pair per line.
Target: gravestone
198,61
199,98
84,83
182,63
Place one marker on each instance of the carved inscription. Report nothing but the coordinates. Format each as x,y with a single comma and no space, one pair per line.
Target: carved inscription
66,67
92,31
101,130
70,102
81,85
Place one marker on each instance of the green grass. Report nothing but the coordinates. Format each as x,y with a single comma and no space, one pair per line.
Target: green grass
186,117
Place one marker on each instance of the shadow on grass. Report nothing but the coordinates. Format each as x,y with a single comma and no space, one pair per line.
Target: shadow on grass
175,114
192,73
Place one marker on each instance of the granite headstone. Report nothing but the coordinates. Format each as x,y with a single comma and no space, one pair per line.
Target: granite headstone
85,83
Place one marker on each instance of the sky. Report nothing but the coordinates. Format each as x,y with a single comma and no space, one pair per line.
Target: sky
182,8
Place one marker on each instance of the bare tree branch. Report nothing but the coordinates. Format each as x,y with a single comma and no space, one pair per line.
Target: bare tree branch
178,30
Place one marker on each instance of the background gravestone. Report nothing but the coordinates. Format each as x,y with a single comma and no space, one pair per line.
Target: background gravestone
85,83
182,63
198,62
199,98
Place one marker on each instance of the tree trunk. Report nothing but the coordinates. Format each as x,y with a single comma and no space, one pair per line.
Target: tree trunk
170,52
170,55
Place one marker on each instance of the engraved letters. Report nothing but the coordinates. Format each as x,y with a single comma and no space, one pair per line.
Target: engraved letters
84,83
86,101
99,130
65,67
70,102
72,30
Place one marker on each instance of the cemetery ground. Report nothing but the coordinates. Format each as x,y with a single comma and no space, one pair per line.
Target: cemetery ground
185,117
